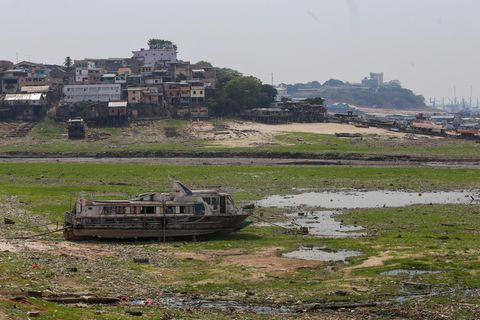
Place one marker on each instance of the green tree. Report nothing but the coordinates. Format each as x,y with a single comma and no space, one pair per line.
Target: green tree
68,63
316,100
161,44
224,75
181,77
204,64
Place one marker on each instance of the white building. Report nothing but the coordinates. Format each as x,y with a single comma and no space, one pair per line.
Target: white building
81,70
92,92
151,57
197,91
31,99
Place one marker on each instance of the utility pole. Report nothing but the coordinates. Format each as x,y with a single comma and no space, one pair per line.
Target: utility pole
454,95
471,92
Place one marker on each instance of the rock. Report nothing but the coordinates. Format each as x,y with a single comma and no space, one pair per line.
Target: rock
8,221
33,314
341,292
72,269
140,260
135,313
36,294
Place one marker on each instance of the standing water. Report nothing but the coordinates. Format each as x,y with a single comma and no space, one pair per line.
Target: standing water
368,199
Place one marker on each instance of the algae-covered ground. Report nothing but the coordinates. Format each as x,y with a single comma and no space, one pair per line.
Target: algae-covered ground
243,274
50,137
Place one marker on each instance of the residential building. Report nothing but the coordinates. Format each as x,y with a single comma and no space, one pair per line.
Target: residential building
172,92
24,106
134,95
124,71
81,70
197,91
117,112
95,75
13,80
92,92
144,95
152,57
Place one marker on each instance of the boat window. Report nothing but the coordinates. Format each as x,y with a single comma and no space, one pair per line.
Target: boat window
107,210
182,209
223,205
120,210
148,210
215,203
207,200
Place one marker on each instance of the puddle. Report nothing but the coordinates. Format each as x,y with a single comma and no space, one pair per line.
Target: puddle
222,305
397,272
368,199
316,254
320,223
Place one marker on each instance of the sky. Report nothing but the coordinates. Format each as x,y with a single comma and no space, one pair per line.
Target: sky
431,46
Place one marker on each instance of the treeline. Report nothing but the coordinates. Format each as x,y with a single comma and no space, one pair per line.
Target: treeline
386,96
236,93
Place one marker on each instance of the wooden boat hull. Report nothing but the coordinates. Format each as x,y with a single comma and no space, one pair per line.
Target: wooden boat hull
153,227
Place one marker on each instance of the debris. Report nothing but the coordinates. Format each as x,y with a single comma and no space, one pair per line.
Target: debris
8,221
140,260
36,294
135,313
33,314
341,292
82,299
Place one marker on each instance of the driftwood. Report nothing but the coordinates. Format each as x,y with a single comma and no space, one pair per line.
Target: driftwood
82,299
338,306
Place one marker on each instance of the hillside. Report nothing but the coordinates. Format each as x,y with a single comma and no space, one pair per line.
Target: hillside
389,95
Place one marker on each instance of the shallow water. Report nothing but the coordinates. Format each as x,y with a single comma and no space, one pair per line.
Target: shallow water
317,254
320,223
397,272
368,199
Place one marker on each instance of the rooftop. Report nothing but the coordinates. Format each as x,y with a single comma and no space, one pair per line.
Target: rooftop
23,97
117,104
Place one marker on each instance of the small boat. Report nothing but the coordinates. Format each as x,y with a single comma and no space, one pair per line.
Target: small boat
181,213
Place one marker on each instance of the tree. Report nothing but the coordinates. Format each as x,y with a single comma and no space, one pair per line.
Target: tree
204,64
269,94
334,83
68,63
316,100
161,44
224,75
181,77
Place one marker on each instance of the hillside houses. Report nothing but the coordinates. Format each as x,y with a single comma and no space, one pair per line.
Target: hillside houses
151,79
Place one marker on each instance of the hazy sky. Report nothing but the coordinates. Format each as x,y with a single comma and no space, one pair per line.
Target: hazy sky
430,45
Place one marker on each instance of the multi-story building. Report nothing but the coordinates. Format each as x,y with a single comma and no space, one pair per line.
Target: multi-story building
197,91
152,57
144,95
172,92
13,80
81,70
92,92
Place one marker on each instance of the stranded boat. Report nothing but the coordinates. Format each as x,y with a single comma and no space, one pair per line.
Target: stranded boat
180,213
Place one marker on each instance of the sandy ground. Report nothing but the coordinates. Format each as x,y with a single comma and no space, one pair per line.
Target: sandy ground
319,128
251,134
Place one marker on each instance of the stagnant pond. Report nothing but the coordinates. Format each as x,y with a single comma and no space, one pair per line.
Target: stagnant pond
368,199
319,223
317,254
